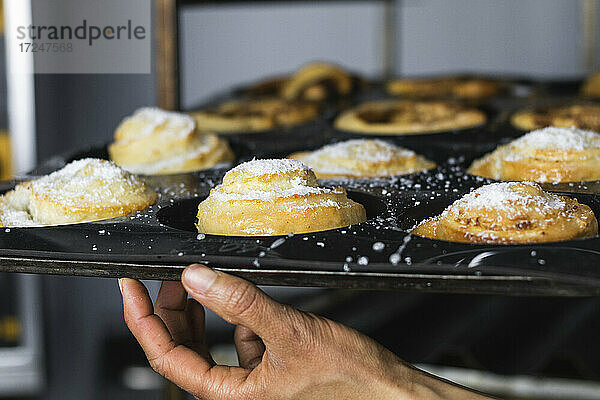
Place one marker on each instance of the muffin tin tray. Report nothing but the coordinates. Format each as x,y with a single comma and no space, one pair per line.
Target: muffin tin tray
378,254
159,242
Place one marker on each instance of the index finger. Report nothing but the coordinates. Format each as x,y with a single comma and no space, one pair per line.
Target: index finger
179,364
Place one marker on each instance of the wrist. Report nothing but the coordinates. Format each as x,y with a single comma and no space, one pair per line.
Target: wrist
407,382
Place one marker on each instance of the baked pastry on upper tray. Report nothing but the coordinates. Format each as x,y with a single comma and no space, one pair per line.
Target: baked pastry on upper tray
511,213
362,158
547,155
591,86
470,88
246,116
405,117
275,197
84,190
582,116
317,81
155,142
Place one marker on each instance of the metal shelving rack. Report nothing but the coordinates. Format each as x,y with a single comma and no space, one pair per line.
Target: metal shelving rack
168,46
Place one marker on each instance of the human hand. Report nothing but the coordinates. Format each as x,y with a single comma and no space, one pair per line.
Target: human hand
283,353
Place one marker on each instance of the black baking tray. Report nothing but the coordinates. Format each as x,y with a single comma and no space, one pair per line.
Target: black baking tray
159,242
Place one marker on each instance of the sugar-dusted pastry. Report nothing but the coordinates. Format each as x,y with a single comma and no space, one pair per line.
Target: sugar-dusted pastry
275,197
317,82
445,87
84,190
155,142
591,86
404,117
241,116
546,155
362,158
582,116
510,213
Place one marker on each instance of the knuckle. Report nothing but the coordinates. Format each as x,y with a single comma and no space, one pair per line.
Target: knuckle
158,365
242,299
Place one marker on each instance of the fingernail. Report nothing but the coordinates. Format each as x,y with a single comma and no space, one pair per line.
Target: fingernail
198,277
121,283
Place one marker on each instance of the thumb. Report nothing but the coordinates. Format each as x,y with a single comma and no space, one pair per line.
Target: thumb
237,301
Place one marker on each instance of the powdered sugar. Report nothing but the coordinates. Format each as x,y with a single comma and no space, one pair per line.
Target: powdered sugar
554,138
172,123
270,195
88,181
352,157
361,149
269,167
501,196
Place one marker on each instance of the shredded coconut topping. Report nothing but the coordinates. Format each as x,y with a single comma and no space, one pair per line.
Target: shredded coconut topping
270,167
559,139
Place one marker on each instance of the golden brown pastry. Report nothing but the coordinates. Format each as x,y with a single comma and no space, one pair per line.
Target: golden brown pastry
546,155
275,197
362,158
84,190
591,87
155,142
404,117
510,213
317,82
447,87
241,116
582,116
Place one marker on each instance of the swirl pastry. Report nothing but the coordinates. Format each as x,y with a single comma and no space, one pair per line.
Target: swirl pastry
582,116
275,197
317,82
511,213
447,87
591,87
362,158
154,142
314,82
254,115
84,190
404,117
546,155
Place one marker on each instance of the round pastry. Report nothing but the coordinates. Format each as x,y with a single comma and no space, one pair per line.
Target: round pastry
362,158
317,82
591,87
84,190
511,213
546,155
403,117
241,116
154,142
275,197
582,116
460,88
